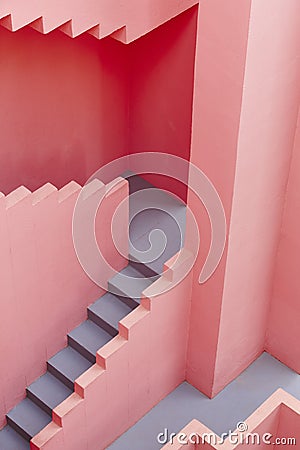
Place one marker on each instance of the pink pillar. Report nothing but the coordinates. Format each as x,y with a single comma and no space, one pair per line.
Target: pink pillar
283,334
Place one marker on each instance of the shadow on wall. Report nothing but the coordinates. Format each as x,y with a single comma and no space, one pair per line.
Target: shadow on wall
68,106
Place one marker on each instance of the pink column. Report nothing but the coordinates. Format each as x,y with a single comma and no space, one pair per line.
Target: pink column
230,311
219,72
283,334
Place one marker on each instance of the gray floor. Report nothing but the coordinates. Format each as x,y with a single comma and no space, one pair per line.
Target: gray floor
221,414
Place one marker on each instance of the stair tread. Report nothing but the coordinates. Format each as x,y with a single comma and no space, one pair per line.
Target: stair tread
110,308
123,284
49,390
90,336
173,245
155,217
11,440
28,416
161,216
70,363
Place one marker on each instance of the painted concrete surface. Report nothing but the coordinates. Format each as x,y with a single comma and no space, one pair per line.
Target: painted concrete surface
52,292
125,21
221,414
246,98
277,417
283,333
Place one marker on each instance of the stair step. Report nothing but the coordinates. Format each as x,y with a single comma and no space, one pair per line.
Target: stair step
87,338
27,419
107,311
129,283
67,365
11,440
160,215
174,241
47,392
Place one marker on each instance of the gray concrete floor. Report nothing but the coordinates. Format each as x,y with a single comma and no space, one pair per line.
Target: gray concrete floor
221,414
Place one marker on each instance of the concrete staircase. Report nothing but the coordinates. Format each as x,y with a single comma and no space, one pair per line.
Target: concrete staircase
32,414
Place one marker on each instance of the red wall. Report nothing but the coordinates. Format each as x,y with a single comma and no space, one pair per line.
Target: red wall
161,91
44,291
63,107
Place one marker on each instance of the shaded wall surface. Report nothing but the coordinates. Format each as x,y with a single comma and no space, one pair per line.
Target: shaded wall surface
133,372
44,290
69,106
161,92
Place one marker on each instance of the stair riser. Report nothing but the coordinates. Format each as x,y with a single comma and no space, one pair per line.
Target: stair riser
127,300
60,376
39,402
82,350
18,429
142,268
102,324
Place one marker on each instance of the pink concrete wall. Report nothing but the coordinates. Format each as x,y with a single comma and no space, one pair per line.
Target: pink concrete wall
266,136
220,62
161,92
149,353
63,107
289,425
283,335
45,292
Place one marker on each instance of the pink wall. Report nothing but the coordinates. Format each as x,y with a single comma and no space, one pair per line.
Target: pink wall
220,63
283,334
289,425
149,352
233,310
161,92
76,99
63,107
126,20
267,129
45,292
